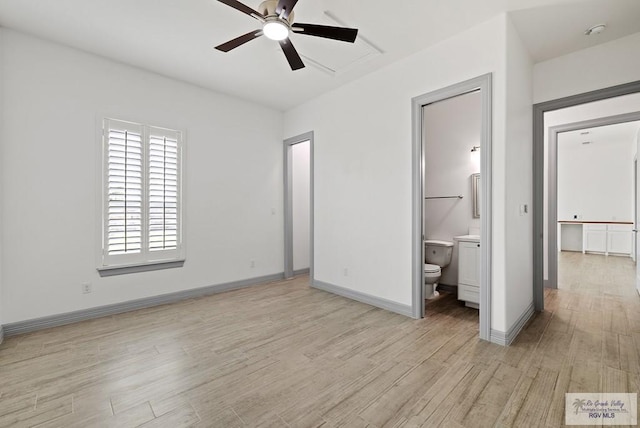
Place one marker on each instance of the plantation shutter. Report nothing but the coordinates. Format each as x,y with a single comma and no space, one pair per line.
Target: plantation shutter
142,210
163,174
124,189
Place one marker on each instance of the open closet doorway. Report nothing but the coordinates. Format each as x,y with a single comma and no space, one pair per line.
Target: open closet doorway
298,205
437,236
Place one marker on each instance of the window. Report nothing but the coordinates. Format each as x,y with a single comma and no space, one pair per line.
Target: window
142,178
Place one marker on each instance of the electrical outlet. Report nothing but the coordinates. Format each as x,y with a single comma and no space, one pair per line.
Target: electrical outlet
345,272
253,263
86,288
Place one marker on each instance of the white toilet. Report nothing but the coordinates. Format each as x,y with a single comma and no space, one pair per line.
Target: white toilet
437,256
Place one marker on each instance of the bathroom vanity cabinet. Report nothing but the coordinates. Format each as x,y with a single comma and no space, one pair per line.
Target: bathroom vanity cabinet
469,270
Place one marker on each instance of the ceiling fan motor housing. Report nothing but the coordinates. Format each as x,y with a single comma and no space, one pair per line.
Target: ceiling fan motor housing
268,8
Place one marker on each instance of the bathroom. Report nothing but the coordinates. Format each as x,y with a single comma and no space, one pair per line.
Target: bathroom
451,208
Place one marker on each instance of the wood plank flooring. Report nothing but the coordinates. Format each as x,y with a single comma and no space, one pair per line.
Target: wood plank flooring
596,274
286,355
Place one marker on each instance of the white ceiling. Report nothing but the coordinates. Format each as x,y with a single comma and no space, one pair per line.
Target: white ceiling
554,30
176,37
611,134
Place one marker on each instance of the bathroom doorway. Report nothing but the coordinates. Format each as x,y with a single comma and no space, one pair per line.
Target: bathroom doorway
451,198
451,159
298,206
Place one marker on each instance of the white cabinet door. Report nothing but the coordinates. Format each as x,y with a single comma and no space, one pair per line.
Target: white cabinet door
595,238
469,263
619,241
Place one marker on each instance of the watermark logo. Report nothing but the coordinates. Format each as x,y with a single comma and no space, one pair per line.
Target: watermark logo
601,409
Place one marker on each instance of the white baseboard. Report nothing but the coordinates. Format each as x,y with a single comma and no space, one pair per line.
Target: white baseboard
506,339
27,326
378,302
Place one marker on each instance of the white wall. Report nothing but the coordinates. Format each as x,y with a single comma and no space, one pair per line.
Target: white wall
595,181
363,167
233,170
301,177
451,128
518,179
601,66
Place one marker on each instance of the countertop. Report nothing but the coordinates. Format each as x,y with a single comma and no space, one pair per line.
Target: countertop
467,238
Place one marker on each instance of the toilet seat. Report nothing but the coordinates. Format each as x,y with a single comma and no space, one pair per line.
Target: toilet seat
431,268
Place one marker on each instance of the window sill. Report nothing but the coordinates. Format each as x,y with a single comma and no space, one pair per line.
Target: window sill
140,267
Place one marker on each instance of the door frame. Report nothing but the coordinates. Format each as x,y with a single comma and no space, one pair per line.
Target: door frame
539,174
634,255
552,171
288,204
484,84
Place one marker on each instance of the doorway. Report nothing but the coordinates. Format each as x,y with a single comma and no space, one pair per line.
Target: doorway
542,262
298,206
482,84
591,200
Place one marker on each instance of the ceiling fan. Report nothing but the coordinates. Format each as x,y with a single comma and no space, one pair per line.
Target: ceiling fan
276,17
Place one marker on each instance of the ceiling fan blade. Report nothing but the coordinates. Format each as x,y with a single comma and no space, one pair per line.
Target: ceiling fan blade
292,55
239,41
335,33
242,8
287,6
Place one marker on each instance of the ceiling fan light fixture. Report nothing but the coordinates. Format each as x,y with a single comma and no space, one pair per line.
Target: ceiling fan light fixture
275,30
276,17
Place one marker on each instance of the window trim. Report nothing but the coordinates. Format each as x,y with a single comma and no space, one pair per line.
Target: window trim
146,260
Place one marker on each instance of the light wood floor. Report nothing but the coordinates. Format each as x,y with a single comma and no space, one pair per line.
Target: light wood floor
596,274
286,355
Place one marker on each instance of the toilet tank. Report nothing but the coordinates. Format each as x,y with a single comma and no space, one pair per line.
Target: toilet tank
438,252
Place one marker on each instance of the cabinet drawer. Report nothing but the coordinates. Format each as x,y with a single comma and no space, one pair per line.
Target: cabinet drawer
469,293
595,227
620,227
